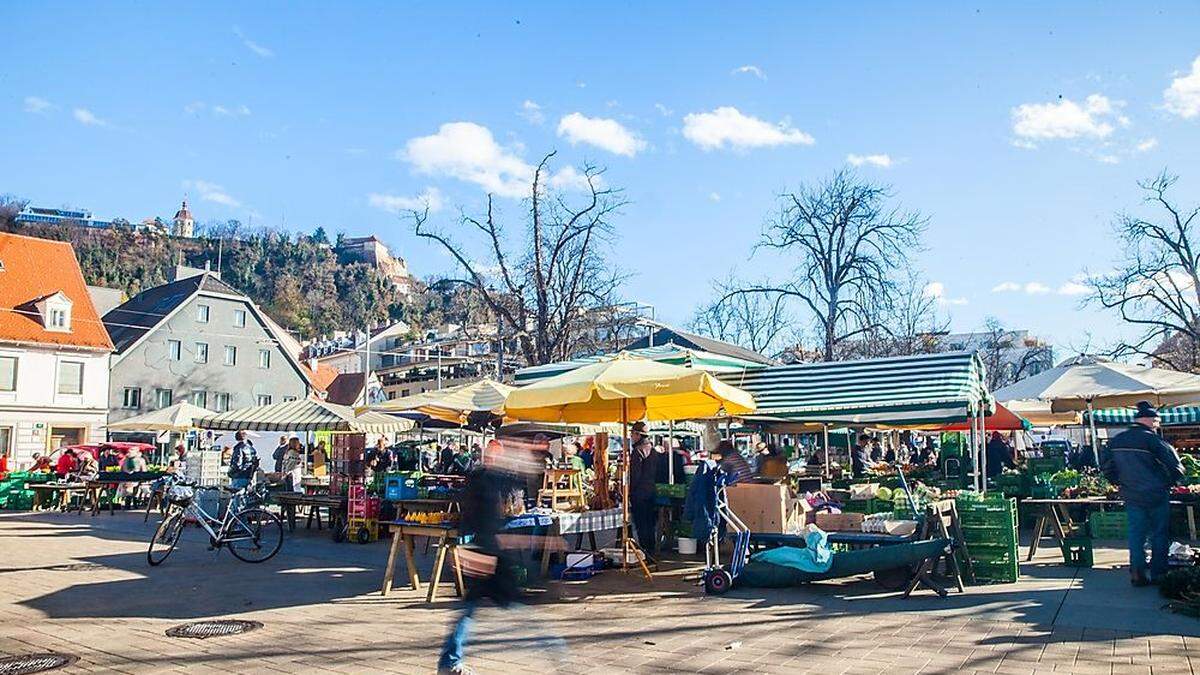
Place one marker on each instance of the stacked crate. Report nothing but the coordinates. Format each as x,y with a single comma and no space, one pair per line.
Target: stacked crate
204,468
13,495
989,528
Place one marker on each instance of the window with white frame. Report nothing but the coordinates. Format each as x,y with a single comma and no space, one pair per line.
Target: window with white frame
230,355
202,312
70,377
163,398
221,402
263,399
201,355
239,318
56,313
8,373
264,358
175,349
132,398
6,441
200,398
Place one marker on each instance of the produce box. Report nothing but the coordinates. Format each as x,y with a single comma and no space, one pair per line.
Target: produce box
673,491
1036,465
840,522
1108,525
866,506
768,507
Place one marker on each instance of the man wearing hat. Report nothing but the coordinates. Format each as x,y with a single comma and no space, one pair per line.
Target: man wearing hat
642,470
1145,467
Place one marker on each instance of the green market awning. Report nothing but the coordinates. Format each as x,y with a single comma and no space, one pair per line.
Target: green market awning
899,391
670,353
1170,417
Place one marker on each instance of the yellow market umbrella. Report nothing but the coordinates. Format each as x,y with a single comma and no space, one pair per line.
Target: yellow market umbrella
622,388
627,388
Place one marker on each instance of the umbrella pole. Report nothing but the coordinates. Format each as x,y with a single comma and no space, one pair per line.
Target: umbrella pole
983,454
825,435
671,452
1092,427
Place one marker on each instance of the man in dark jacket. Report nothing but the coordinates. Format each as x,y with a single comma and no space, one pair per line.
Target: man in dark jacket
280,451
999,455
860,456
243,463
1145,467
642,470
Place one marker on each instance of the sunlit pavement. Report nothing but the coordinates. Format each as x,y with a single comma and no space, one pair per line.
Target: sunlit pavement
81,585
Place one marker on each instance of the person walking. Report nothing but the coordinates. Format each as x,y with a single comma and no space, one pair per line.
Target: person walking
244,462
1144,467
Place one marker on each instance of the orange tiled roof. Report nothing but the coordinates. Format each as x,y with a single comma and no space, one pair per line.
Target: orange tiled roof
322,377
37,268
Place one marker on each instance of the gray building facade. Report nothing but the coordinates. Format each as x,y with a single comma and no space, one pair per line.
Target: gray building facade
197,339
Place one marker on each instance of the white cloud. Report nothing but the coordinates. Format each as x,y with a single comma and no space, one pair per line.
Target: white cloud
606,134
430,198
881,161
194,107
1024,144
727,127
1006,287
532,112
468,151
1108,159
252,45
218,110
1074,288
663,110
1147,145
1036,288
568,178
1067,119
37,105
1183,96
88,118
937,291
211,192
750,70
714,196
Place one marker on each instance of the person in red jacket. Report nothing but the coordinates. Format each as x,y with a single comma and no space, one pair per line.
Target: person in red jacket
66,463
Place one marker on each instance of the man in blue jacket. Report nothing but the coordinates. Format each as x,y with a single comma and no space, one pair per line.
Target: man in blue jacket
1145,467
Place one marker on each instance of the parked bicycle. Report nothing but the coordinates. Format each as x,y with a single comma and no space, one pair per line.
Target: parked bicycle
250,532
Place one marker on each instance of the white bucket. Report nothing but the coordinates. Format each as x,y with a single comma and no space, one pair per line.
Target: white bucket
687,546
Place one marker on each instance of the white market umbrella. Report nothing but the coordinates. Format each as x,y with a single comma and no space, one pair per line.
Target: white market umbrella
304,414
1103,384
179,417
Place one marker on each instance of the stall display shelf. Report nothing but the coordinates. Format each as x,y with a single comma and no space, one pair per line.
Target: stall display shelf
1108,525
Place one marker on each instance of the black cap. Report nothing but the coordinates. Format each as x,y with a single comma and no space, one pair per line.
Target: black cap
1144,409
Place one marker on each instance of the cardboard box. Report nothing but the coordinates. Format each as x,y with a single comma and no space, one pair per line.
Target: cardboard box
840,522
767,507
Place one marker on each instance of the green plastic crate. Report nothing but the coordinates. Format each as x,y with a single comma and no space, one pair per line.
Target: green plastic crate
1108,525
1036,465
995,572
989,534
866,506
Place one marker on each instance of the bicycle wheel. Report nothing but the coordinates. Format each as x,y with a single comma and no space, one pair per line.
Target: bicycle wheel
255,535
165,537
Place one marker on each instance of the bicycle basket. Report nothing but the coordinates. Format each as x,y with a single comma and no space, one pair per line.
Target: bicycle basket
180,494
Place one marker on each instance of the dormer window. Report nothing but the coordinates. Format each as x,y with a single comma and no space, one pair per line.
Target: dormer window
56,312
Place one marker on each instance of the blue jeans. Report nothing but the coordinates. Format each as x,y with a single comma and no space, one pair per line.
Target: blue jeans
238,483
452,650
1154,523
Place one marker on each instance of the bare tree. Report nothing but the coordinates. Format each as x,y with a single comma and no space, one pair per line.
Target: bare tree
756,321
10,206
847,243
1009,356
906,322
546,286
1157,284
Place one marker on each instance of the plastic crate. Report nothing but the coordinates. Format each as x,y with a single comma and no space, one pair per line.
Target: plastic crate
991,512
397,488
1108,525
989,534
866,506
986,571
1036,465
1077,551
673,491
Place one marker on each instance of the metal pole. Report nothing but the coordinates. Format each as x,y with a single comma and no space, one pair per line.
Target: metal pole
983,451
825,435
367,364
1095,441
625,455
671,452
439,379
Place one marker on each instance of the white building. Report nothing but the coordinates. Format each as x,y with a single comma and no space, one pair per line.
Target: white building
54,351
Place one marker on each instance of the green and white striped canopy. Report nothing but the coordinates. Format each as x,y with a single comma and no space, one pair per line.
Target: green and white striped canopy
669,353
1170,417
305,414
908,390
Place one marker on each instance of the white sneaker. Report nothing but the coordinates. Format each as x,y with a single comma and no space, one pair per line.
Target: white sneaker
459,669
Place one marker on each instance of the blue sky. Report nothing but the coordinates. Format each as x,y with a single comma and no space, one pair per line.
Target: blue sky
1018,128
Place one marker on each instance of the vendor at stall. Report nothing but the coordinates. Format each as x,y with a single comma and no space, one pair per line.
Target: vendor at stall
999,455
66,462
642,474
771,462
727,456
1144,467
860,456
280,451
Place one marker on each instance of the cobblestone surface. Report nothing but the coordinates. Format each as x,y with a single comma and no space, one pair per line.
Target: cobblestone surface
81,585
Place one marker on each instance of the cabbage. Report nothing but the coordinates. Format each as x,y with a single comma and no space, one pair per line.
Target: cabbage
884,494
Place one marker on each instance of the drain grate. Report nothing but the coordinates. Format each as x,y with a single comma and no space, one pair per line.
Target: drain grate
202,630
25,664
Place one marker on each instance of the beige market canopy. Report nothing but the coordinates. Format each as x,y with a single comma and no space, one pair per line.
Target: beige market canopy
1103,384
305,414
178,417
453,404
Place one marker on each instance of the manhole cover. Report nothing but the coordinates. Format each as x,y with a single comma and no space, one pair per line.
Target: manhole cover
34,663
202,630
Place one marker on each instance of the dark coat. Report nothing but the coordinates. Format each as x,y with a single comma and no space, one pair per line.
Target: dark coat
244,461
642,472
1142,464
999,457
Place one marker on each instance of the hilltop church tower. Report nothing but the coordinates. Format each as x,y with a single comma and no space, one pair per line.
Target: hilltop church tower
183,222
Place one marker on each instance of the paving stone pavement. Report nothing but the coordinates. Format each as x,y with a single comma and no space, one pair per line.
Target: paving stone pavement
81,585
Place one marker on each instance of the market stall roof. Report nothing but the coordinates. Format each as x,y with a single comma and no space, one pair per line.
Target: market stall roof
1002,419
1039,413
453,403
627,386
177,417
1170,417
905,390
304,414
1103,384
668,353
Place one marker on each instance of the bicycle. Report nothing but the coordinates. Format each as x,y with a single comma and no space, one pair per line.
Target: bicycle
251,533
